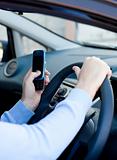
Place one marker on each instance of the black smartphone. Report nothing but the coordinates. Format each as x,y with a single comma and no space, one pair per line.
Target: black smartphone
39,64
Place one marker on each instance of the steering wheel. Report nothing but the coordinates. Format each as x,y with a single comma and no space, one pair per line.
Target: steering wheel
98,140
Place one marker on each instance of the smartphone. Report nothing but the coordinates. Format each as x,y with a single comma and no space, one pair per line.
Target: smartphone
39,64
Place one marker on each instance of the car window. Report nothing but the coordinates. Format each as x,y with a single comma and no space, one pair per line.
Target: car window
46,24
91,34
74,31
60,26
30,45
3,40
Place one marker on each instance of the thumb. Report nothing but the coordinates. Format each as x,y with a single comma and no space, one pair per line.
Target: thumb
33,75
76,70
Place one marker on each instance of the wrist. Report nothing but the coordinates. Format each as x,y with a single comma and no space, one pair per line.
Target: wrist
90,89
29,104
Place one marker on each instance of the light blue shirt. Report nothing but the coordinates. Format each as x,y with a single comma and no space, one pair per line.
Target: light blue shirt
19,114
46,139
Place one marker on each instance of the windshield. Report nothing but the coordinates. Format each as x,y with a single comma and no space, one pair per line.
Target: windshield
73,31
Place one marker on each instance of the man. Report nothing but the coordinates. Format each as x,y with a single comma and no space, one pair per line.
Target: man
47,139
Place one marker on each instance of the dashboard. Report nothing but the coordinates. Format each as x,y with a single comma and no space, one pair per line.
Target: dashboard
62,92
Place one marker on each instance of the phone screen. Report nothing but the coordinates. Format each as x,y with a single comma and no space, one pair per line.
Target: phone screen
38,62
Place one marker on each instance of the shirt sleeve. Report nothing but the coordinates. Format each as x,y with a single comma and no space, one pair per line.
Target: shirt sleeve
18,114
47,138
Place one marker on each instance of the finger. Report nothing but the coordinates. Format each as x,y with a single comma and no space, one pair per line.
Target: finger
109,73
47,72
33,75
47,80
76,70
87,58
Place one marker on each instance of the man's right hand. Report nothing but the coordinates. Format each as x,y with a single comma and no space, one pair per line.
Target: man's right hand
30,96
92,75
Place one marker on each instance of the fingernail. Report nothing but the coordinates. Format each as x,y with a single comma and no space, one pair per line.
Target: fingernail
38,72
48,72
73,67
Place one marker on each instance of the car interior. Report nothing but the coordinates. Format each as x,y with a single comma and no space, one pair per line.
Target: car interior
59,62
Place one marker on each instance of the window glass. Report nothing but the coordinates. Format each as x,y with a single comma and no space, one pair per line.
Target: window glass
76,32
3,40
90,34
60,26
30,45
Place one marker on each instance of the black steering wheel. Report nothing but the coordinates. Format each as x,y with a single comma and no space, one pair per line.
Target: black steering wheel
99,139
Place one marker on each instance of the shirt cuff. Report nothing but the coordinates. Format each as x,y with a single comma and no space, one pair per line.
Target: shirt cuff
19,114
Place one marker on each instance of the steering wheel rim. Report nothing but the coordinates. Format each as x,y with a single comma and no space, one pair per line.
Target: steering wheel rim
99,139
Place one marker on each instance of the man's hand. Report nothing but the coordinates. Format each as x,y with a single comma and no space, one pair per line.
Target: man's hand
31,97
92,75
